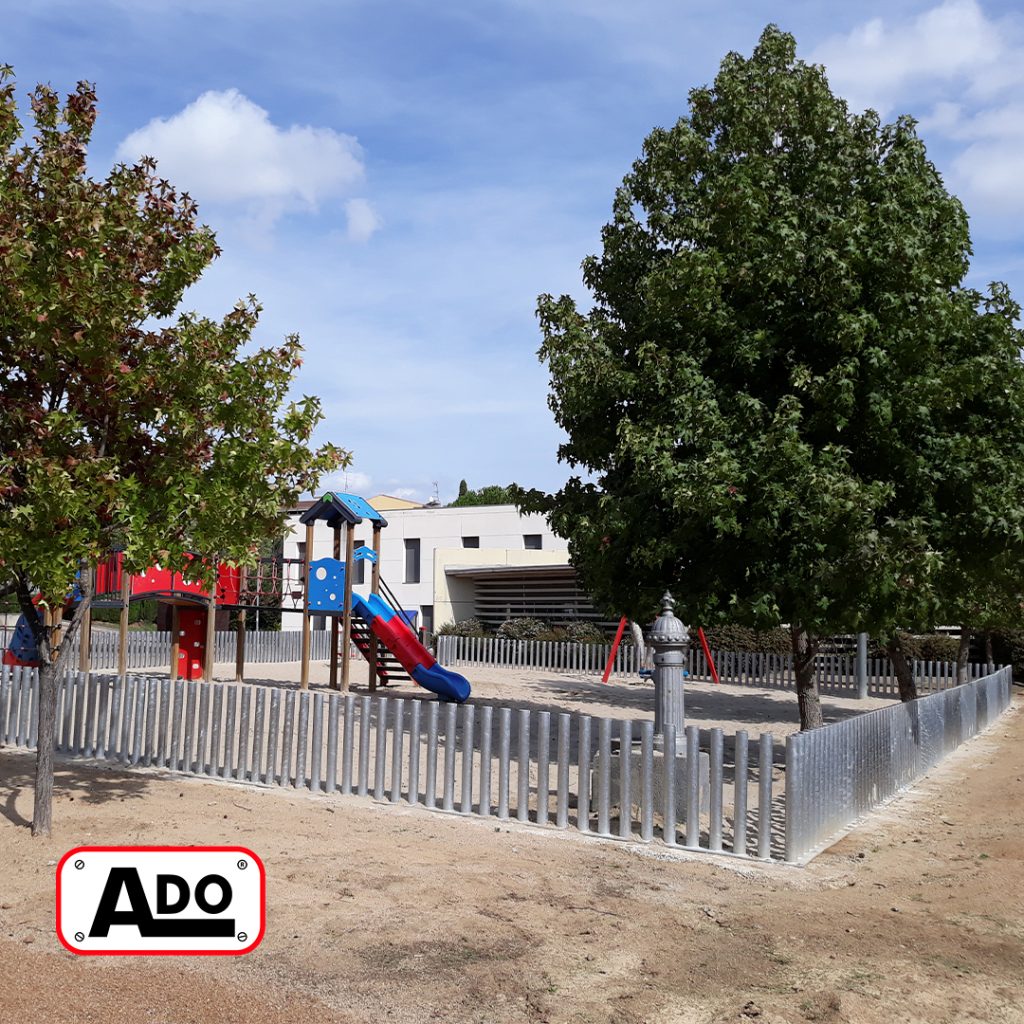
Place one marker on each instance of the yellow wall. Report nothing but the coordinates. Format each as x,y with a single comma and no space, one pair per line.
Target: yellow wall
386,503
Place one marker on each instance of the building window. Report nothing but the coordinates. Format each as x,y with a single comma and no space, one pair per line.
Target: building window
532,541
412,561
359,569
301,547
427,617
471,542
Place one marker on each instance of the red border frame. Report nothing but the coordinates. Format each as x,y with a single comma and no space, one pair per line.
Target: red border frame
167,952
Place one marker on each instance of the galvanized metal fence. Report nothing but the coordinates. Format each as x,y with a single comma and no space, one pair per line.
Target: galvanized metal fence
561,770
836,673
840,772
153,649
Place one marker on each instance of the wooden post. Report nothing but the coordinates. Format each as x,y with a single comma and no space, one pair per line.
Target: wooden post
374,589
346,619
211,634
304,674
175,640
85,628
240,631
122,631
334,618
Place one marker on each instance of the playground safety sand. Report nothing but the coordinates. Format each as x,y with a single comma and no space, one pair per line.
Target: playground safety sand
708,705
382,914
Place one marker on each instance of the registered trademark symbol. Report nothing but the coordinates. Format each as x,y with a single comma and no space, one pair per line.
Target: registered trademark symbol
79,864
79,937
242,865
242,936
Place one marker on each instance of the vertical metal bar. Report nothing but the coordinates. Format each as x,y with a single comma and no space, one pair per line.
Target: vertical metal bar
562,774
604,772
764,800
242,766
204,729
692,786
739,821
717,784
668,811
124,748
316,750
302,741
396,750
468,748
430,794
523,767
140,710
646,781
101,723
414,751
333,716
363,771
274,730
177,724
583,773
347,742
543,766
486,716
189,728
90,717
450,727
504,759
625,779
287,737
257,735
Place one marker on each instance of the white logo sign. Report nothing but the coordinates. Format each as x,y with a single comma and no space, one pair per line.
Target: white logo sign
161,900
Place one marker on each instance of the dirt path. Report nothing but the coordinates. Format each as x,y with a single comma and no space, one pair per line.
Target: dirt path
382,914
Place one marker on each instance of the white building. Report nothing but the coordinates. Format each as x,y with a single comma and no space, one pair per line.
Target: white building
451,564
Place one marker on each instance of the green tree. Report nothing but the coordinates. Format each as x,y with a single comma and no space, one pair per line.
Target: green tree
123,425
778,390
463,488
493,494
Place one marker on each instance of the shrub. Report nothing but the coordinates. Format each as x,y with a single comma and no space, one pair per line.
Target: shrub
522,629
584,632
744,639
922,647
467,627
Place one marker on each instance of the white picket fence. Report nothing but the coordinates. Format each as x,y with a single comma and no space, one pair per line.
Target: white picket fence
153,649
836,673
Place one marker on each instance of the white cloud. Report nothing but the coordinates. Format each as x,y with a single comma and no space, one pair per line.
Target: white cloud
223,148
362,219
955,41
960,71
350,481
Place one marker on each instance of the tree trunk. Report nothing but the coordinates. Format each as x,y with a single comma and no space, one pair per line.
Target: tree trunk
903,669
963,656
51,662
805,647
990,658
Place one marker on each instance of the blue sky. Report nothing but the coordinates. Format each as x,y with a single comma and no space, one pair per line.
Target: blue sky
397,182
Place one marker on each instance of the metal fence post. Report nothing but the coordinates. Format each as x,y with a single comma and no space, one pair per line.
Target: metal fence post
670,640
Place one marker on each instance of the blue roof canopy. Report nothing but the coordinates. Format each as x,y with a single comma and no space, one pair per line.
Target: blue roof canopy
334,509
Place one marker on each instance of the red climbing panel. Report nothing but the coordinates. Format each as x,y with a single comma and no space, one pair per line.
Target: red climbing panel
191,642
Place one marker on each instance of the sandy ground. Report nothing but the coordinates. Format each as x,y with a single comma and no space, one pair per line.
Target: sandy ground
708,705
385,913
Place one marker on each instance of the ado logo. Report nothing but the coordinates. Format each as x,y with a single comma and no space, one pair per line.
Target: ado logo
161,900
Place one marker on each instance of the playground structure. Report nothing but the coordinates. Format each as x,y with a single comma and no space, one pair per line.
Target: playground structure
380,630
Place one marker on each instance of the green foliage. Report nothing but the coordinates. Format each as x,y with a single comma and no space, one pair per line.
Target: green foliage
583,632
493,494
741,638
121,421
138,611
463,488
467,627
783,394
922,647
522,629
